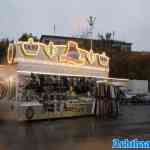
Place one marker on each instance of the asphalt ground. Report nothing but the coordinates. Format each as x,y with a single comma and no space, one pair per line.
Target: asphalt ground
88,133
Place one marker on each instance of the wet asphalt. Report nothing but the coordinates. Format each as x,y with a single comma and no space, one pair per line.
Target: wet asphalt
88,133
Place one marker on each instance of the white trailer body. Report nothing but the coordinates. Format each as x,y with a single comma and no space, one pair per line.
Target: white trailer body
138,86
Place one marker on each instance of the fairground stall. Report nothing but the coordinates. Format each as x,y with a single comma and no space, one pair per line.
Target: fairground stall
49,81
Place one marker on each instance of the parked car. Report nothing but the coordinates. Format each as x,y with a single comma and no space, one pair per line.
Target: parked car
137,99
142,98
147,98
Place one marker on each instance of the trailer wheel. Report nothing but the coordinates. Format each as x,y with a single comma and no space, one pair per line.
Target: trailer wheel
29,113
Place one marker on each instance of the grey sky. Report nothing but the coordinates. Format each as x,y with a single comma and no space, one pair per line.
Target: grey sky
128,18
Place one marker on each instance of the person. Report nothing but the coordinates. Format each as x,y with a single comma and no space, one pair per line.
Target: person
71,91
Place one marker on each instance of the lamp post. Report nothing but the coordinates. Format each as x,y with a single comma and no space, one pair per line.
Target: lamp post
91,21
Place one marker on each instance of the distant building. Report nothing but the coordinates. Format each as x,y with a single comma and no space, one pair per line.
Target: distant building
139,62
139,56
85,43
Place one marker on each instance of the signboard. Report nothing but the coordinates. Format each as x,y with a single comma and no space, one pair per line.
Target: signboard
63,54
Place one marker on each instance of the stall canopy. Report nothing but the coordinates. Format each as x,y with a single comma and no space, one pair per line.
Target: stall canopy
67,59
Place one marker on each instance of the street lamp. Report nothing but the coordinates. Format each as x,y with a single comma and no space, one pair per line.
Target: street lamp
91,21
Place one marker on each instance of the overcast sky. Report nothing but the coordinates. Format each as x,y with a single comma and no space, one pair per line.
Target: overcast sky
130,19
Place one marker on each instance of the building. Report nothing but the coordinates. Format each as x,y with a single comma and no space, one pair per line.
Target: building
103,45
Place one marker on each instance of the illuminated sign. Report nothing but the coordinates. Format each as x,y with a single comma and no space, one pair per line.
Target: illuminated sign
11,54
64,54
73,54
30,48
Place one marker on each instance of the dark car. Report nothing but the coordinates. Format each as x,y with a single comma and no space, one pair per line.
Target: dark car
142,98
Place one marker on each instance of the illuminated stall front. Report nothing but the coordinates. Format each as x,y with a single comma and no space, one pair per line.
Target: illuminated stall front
54,81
